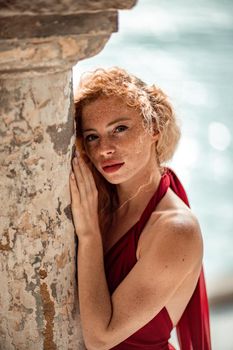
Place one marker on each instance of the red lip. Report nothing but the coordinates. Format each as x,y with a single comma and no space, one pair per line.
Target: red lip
110,167
110,163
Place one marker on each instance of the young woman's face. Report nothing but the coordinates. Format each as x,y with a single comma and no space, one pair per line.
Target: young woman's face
115,139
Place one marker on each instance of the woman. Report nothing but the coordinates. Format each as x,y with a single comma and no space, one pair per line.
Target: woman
140,246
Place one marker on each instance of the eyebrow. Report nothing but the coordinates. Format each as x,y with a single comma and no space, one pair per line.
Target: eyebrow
109,124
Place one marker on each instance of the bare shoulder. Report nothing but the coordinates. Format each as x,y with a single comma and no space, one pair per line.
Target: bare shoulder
175,233
178,224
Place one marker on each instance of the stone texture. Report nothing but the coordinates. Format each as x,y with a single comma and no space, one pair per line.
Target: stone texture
57,25
39,43
62,6
48,36
52,42
38,297
47,55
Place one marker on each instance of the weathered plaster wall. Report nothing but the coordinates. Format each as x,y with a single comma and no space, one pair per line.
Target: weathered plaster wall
38,307
54,35
39,43
62,6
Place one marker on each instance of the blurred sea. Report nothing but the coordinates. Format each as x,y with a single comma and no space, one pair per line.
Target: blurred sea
186,48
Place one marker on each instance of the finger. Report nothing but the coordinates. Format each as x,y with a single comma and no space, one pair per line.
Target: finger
74,192
85,170
73,186
80,180
87,177
86,173
92,191
92,180
86,162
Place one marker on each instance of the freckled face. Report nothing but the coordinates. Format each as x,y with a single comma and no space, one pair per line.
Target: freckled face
114,132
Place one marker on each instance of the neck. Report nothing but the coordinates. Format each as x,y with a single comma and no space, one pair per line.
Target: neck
138,189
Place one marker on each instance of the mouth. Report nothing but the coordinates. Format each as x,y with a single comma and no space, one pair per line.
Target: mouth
112,168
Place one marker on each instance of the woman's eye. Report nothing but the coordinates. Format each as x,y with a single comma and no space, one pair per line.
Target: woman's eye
90,137
118,129
121,128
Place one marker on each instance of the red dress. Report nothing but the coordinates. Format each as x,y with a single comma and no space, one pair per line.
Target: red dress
193,328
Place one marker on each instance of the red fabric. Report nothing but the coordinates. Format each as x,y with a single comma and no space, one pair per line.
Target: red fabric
193,328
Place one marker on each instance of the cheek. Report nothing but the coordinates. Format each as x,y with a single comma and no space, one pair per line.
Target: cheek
90,152
139,147
140,156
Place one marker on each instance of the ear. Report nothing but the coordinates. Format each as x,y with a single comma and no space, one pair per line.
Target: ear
155,135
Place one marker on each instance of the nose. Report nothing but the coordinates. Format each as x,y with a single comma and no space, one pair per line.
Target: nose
106,147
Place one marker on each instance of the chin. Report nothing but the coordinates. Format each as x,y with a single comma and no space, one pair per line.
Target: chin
116,179
114,182
111,180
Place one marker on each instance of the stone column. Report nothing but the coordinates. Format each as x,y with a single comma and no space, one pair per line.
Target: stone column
40,41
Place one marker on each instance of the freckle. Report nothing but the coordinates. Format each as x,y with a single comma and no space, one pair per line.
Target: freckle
183,259
166,266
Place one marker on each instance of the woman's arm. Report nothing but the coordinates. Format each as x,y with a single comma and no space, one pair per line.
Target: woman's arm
94,297
174,253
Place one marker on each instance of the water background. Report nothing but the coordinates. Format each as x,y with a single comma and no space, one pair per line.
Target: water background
186,48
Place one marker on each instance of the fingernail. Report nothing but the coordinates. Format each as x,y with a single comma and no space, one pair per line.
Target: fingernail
77,153
75,160
72,176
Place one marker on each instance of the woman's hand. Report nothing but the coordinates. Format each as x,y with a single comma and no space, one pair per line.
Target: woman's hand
84,199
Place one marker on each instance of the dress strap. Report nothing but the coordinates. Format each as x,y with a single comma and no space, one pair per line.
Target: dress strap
155,199
193,329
